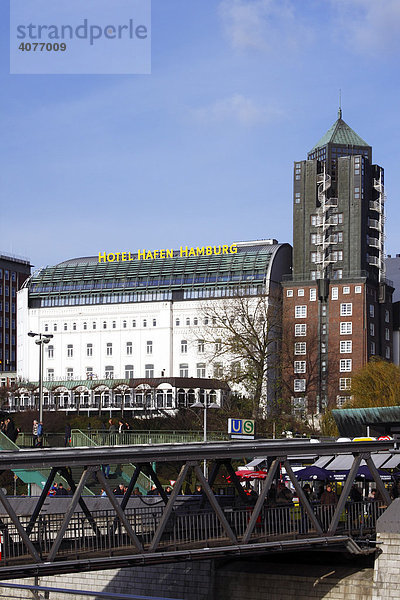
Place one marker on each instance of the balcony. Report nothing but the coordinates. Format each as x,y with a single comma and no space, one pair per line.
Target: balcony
374,224
375,205
374,243
374,261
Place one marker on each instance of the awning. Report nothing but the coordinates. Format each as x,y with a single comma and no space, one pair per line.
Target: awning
343,462
393,462
323,461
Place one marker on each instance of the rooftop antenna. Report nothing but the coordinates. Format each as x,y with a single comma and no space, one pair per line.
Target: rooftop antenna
340,104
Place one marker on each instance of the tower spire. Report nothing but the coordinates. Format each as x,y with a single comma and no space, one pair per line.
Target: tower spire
340,105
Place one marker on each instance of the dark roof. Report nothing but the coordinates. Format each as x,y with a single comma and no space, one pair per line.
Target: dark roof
353,422
84,276
177,382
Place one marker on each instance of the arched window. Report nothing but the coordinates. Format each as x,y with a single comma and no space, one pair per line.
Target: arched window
182,400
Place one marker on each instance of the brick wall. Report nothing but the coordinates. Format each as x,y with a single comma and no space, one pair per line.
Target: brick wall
387,568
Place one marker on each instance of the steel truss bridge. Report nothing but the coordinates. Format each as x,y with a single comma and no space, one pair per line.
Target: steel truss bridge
77,534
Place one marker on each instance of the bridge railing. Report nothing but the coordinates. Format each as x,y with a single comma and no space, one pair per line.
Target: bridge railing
187,527
129,438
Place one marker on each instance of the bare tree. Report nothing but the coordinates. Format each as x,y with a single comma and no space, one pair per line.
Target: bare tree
244,333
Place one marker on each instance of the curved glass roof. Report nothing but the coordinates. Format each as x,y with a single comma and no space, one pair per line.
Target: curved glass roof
138,280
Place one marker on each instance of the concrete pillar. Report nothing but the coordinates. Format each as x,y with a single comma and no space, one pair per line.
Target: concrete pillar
387,565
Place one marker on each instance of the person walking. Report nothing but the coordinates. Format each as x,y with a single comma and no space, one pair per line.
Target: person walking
35,432
39,438
67,437
329,501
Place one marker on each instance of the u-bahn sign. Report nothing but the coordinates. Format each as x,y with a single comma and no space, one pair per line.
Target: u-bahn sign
242,428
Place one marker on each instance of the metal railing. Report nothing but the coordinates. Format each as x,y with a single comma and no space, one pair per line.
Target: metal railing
129,438
188,527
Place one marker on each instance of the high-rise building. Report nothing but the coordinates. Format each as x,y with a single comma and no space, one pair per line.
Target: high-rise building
337,304
13,272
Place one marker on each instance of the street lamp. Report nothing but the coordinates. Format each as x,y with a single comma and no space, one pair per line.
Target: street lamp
205,406
41,339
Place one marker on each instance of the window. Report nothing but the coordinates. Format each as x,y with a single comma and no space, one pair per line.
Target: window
46,328
299,385
124,324
149,347
323,329
344,383
346,328
89,349
313,294
371,329
346,289
134,323
55,327
187,321
289,293
314,256
335,293
128,371
50,374
177,322
387,316
346,347
65,326
184,346
218,370
195,321
314,220
300,292
50,351
341,401
372,348
109,372
323,366
387,353
323,347
149,370
154,322
85,326
346,309
114,324
109,349
129,348
200,346
371,310
94,325
205,320
70,351
104,324
300,312
144,322
184,370
300,348
323,310
345,364
89,372
218,345
338,274
300,329
357,289
299,366
387,334
70,374
297,198
201,369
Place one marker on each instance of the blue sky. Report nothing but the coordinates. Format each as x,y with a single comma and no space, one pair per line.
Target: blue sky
202,150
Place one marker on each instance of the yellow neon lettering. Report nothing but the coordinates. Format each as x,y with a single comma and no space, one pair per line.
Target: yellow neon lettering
233,249
184,252
118,255
155,253
224,249
111,254
170,253
102,256
200,251
130,256
192,252
149,255
208,250
215,250
123,257
162,253
141,255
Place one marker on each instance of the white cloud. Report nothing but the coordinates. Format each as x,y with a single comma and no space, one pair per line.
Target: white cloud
260,24
237,108
369,26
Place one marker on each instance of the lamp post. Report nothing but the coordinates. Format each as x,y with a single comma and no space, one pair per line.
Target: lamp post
205,406
41,339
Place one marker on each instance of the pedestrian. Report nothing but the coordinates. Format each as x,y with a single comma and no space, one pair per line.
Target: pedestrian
137,492
61,491
35,432
198,490
355,494
103,493
121,427
329,501
67,437
39,438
